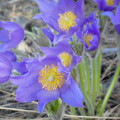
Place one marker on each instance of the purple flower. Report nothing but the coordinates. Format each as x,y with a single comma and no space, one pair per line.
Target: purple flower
64,16
10,35
5,68
8,62
90,36
107,5
46,82
64,52
114,18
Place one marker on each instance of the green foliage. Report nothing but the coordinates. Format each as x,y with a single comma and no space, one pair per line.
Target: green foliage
52,107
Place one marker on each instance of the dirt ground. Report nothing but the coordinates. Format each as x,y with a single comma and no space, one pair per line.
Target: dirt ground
21,12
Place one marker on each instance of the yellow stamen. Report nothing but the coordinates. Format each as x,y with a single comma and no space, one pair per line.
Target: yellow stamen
110,2
88,39
50,78
90,23
66,59
66,21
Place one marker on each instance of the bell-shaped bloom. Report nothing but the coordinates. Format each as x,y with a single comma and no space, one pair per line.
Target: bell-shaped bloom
107,5
10,35
89,34
5,69
114,18
65,16
89,37
65,54
46,82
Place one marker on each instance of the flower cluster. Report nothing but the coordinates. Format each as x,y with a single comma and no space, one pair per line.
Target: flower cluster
48,78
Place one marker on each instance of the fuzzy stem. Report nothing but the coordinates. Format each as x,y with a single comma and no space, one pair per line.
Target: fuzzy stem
82,111
93,81
73,111
86,97
74,39
98,71
110,90
87,76
118,41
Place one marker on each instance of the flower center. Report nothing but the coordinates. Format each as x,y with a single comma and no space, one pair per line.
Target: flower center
88,39
66,21
110,2
50,78
66,59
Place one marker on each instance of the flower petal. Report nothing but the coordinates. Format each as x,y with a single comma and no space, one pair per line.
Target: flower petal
117,27
4,35
20,67
118,14
66,5
101,4
28,94
110,15
5,68
47,32
94,43
72,95
10,56
4,79
15,34
45,96
27,79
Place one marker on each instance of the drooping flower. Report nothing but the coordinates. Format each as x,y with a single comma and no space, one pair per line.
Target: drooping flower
107,5
5,69
114,18
64,16
46,82
10,35
64,52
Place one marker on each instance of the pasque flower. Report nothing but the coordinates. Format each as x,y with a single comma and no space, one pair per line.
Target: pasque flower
46,82
89,34
64,16
8,62
91,37
114,18
10,35
64,52
107,5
